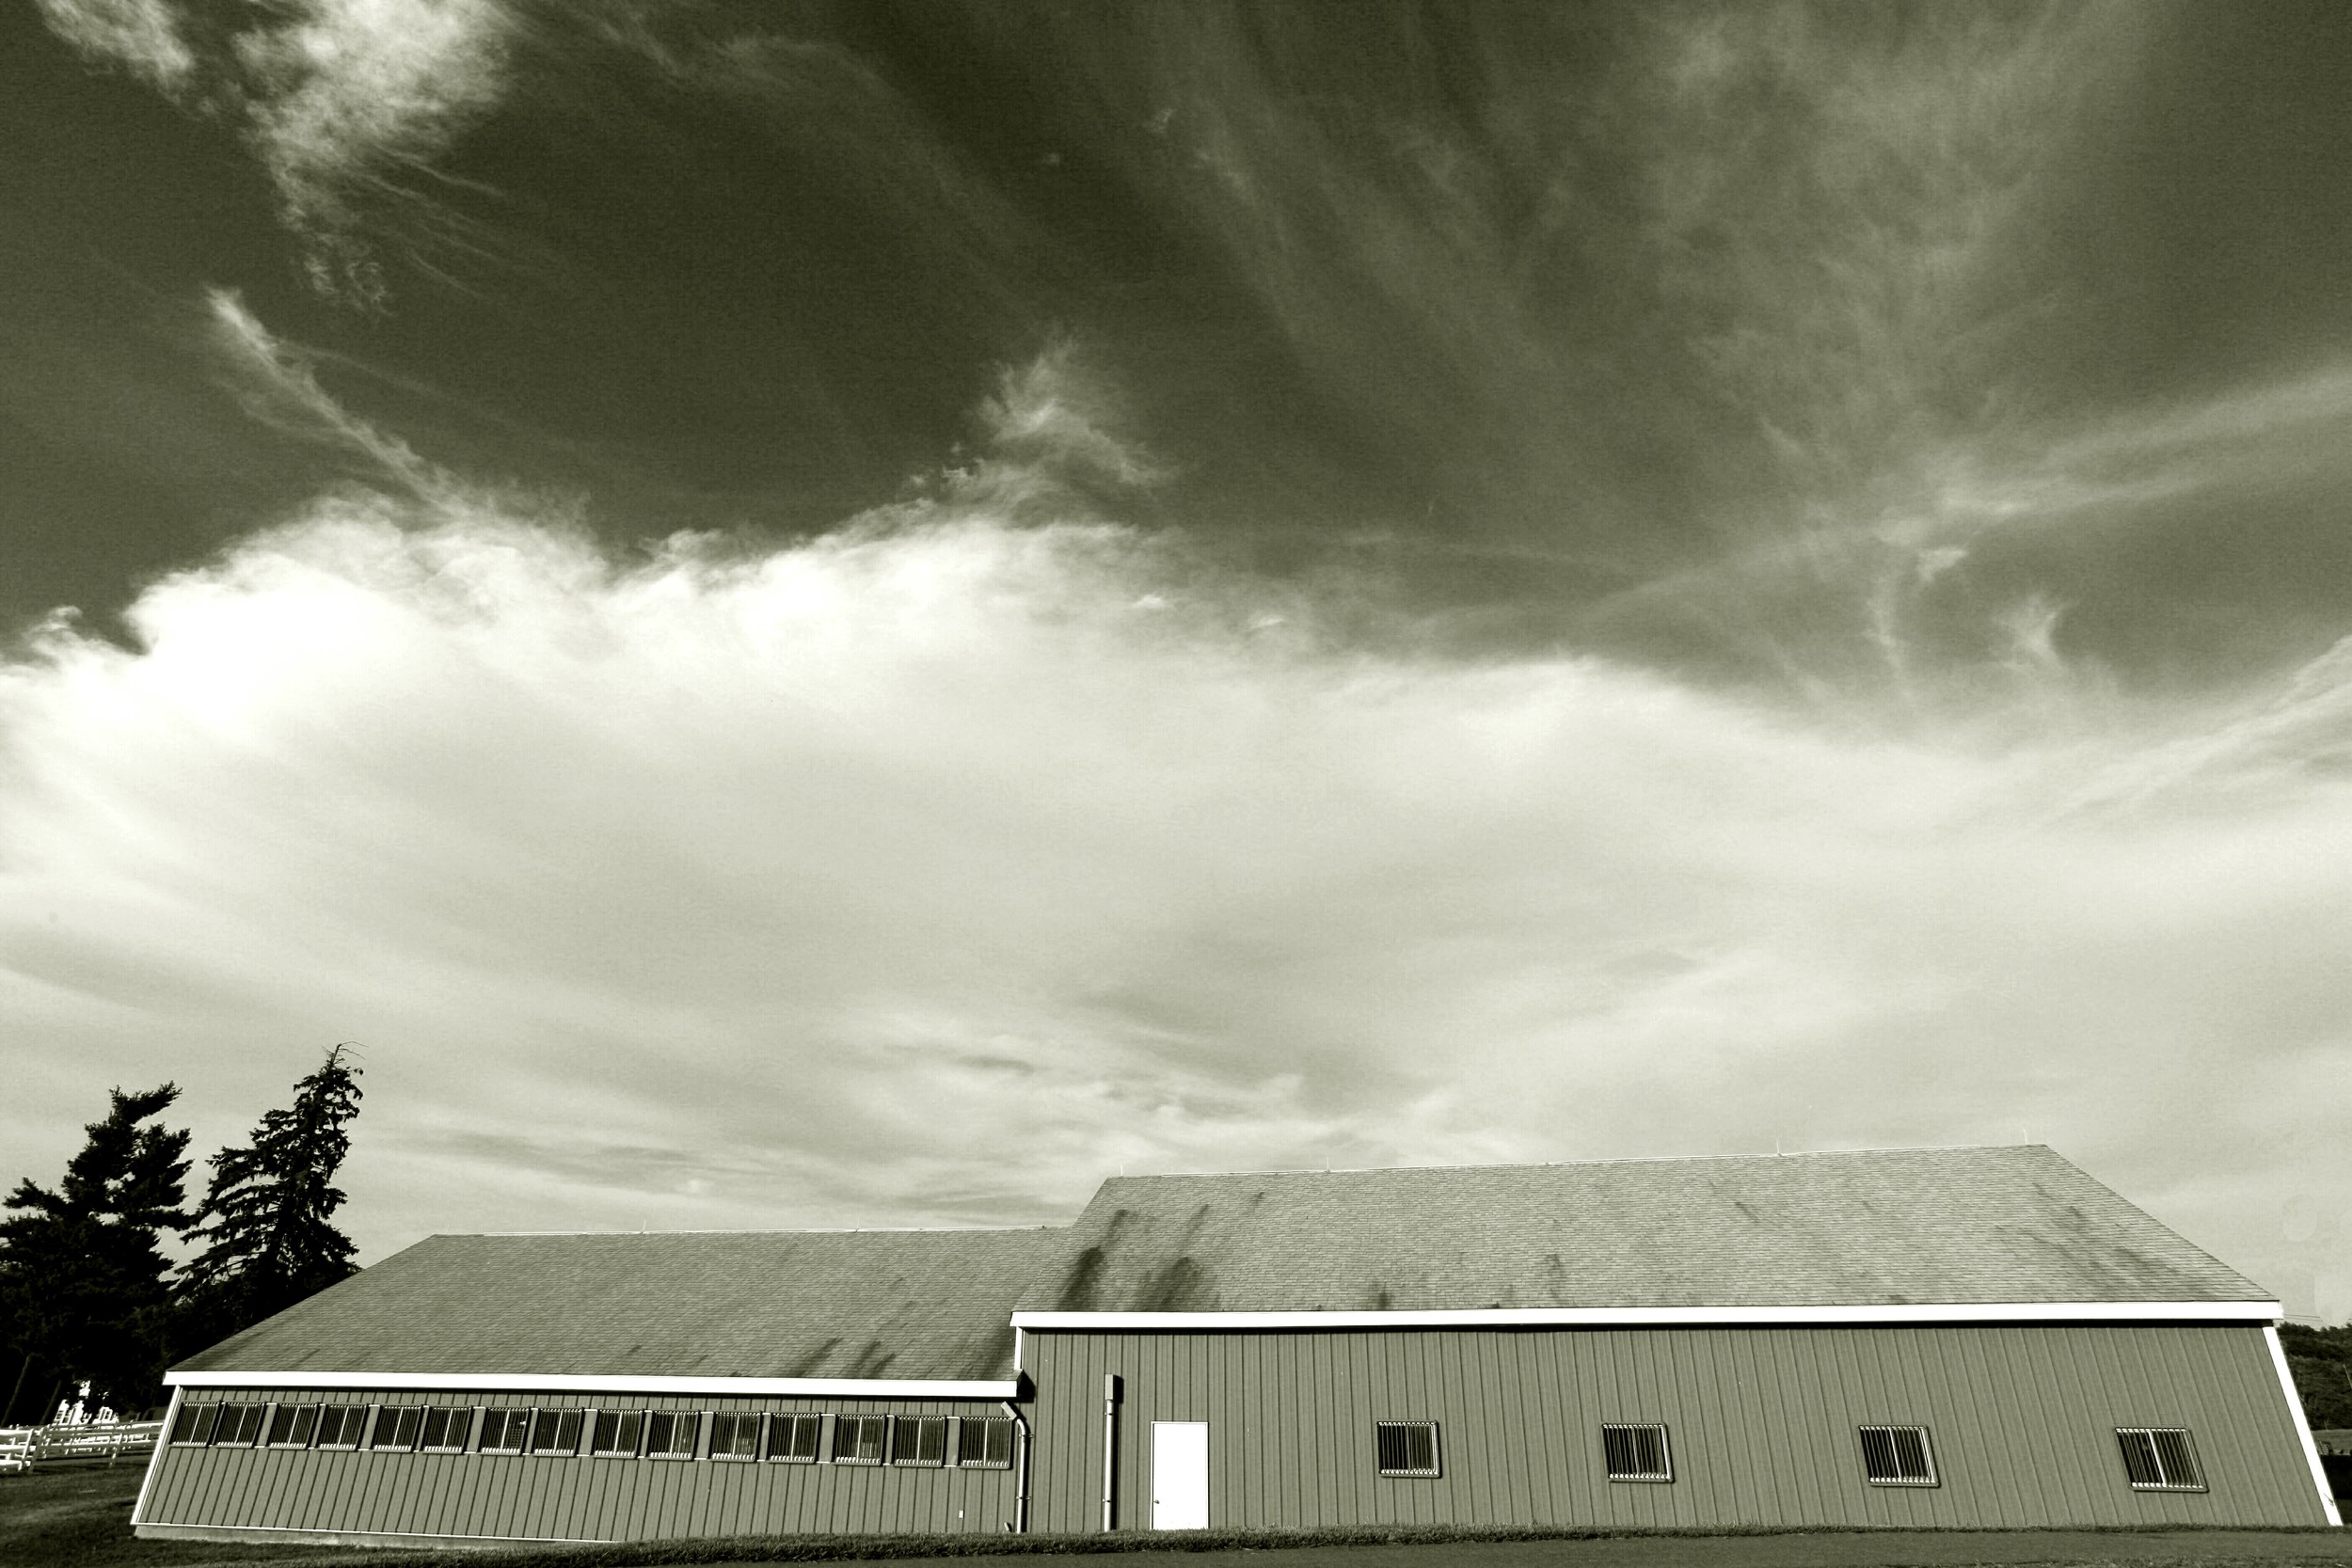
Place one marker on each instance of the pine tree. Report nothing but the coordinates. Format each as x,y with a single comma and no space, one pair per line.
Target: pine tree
82,1278
267,1219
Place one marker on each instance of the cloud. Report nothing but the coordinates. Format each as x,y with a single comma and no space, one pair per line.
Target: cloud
142,35
346,102
928,871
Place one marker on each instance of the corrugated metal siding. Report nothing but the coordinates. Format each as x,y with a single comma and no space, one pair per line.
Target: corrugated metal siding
1763,1424
570,1498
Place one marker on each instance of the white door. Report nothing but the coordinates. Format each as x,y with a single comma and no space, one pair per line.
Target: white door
1179,1475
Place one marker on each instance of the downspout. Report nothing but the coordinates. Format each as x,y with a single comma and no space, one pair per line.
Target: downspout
1110,1447
1020,1470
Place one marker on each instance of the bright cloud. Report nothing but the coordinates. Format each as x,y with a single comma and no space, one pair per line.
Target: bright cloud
932,870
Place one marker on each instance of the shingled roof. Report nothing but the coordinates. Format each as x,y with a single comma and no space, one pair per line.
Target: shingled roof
2006,1224
852,1303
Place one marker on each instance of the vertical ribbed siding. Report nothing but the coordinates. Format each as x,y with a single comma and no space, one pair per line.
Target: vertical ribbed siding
1762,1422
571,1498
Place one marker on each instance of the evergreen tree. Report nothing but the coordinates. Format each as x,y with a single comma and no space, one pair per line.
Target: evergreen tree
81,1279
268,1216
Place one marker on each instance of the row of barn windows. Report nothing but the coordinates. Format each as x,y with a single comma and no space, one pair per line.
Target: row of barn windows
801,1439
2156,1459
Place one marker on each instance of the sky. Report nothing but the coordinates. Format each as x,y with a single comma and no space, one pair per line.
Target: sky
817,616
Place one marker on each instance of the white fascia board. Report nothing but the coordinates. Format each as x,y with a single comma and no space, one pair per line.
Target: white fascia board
555,1382
2302,1426
1667,1317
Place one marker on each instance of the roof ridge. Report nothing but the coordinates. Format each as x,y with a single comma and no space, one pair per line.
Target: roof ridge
1615,1159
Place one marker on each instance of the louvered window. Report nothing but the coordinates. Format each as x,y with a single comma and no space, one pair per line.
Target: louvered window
446,1428
240,1424
919,1439
195,1423
396,1427
792,1439
1897,1456
984,1443
734,1435
504,1429
617,1432
292,1425
340,1425
1636,1453
1406,1448
671,1433
555,1432
2160,1459
859,1439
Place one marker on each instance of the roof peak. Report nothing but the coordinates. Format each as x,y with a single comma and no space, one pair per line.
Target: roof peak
1618,1159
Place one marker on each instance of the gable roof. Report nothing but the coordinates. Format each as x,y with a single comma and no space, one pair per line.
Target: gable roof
851,1304
1891,1226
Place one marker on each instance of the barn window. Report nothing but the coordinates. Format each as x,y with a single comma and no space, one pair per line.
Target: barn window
396,1426
859,1439
792,1439
339,1424
735,1435
617,1432
240,1424
2160,1459
1636,1453
919,1439
555,1432
292,1427
984,1443
671,1433
195,1423
1406,1448
445,1428
1897,1456
504,1429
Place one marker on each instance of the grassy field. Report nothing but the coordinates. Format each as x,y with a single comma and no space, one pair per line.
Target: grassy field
79,1517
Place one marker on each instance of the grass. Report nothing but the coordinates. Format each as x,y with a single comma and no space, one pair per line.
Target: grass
79,1516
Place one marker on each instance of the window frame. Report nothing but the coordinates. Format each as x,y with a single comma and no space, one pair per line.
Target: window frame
1380,1452
2155,1454
300,1421
392,1417
1888,1430
783,1429
545,1437
1633,1433
733,1424
199,1419
342,1419
513,1424
688,1421
918,1427
464,1417
988,1426
842,1425
632,1422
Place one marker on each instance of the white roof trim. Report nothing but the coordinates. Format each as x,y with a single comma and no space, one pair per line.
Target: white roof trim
1614,1317
560,1383
2302,1426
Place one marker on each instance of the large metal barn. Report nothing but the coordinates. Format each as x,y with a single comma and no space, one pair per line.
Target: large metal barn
1919,1338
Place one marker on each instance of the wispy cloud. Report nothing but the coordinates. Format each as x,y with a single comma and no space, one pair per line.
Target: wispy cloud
143,36
347,102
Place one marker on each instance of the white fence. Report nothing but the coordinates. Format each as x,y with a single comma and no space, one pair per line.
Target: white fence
22,1447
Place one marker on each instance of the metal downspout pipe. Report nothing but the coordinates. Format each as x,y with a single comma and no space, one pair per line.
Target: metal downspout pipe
1020,1470
1110,1447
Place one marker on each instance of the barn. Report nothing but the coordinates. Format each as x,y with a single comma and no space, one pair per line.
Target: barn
1921,1337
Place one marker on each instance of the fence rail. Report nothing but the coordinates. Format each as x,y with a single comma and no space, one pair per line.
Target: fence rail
22,1447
